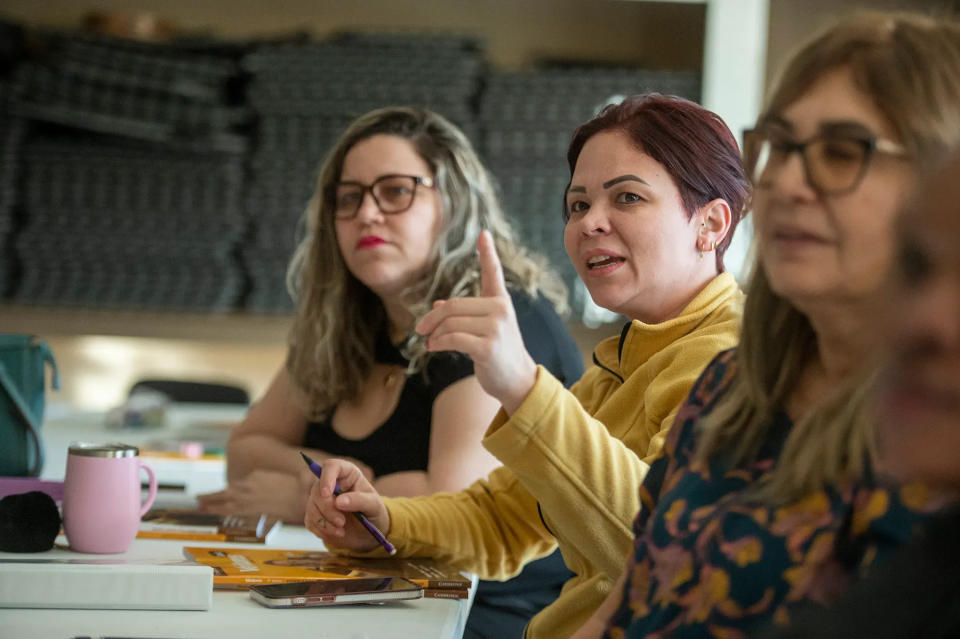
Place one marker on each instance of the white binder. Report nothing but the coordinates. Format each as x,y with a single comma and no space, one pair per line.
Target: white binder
104,584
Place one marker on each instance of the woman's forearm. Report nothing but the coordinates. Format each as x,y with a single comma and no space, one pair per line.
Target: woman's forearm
411,483
262,452
414,483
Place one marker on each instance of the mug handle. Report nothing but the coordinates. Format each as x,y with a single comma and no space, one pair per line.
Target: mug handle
152,494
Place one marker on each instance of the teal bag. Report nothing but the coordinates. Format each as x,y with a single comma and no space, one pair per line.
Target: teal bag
23,359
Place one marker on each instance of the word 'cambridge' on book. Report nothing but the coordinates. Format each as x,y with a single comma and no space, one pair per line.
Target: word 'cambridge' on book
240,568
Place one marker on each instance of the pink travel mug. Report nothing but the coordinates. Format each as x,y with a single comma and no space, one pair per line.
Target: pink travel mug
101,496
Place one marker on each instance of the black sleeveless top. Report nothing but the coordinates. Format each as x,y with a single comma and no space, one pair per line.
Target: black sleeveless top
402,442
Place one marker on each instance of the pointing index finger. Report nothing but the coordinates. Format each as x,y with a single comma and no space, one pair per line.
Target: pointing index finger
492,283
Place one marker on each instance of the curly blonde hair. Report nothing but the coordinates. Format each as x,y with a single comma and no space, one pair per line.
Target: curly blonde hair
337,318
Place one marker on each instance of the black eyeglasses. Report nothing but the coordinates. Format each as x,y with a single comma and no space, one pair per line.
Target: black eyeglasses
833,164
391,193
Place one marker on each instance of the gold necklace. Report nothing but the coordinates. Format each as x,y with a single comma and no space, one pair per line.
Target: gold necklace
392,378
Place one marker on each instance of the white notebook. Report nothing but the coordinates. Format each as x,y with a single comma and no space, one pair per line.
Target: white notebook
107,584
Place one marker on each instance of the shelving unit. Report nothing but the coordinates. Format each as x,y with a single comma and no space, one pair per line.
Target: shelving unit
64,321
732,73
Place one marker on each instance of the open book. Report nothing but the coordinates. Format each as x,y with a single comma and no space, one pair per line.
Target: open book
239,568
172,523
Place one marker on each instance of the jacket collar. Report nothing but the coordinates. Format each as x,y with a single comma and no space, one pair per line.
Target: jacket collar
638,341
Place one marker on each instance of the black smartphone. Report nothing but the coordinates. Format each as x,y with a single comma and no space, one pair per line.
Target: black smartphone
302,594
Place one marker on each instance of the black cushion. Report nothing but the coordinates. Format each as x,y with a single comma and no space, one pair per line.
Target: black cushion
197,392
29,522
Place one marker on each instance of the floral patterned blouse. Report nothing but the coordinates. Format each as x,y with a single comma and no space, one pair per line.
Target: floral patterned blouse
708,562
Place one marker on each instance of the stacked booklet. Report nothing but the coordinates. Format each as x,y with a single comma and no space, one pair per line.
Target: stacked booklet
240,568
188,524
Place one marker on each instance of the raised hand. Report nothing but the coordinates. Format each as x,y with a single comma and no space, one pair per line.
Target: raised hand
328,515
486,329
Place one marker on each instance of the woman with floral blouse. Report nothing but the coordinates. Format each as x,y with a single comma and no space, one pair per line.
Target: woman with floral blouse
765,496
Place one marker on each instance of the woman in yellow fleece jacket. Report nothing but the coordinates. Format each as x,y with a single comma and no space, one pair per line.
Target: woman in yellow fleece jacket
656,191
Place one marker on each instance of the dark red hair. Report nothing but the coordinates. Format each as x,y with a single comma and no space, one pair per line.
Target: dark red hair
693,144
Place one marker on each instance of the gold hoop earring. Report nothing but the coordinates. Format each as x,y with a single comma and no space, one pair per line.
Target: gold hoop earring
714,246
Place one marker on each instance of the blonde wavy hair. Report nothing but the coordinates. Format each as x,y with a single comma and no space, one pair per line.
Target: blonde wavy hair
910,65
337,318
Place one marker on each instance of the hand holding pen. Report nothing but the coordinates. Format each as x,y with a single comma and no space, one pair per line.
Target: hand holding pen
341,490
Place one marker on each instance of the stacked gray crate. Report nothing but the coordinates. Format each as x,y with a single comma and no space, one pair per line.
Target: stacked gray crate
114,224
305,95
132,176
527,119
12,130
11,137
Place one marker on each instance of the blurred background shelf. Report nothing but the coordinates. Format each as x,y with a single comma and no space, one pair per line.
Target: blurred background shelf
150,191
59,321
171,174
101,354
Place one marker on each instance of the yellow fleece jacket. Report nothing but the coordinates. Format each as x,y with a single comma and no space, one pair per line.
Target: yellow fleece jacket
573,462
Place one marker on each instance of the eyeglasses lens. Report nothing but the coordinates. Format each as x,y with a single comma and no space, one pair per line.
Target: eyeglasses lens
835,164
395,193
391,194
832,165
347,199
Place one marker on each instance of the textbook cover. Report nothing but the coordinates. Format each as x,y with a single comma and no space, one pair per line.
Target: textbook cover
173,523
238,568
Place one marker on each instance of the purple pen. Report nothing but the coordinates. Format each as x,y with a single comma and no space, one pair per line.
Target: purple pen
317,470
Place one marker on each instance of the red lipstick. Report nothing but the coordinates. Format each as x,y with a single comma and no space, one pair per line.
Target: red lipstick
370,241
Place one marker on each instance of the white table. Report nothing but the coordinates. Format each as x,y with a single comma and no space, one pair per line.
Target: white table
233,614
